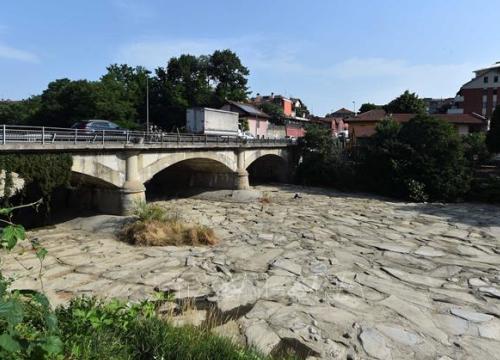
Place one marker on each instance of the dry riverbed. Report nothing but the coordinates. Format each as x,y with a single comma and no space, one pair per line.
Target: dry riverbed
330,275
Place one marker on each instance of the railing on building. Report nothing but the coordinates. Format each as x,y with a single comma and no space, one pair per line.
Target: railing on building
11,134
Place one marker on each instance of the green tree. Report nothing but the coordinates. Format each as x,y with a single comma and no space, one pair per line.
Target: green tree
367,107
122,95
493,136
407,103
274,111
19,112
475,148
64,102
228,76
422,159
436,159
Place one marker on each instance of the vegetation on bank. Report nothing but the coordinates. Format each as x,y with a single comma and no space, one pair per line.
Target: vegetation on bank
42,173
422,160
154,226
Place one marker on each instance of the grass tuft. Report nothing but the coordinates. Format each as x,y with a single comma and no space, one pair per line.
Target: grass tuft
154,227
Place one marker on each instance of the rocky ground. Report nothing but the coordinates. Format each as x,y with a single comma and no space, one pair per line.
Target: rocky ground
329,275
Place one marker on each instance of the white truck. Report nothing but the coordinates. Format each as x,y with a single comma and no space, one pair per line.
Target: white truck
212,122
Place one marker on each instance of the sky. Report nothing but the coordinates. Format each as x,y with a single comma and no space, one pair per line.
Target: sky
329,53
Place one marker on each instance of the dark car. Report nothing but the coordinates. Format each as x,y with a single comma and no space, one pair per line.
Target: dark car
96,125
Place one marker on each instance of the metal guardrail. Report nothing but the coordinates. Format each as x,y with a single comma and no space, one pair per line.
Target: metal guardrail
11,134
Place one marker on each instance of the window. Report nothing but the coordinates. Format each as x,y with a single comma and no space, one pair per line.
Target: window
485,79
495,79
495,91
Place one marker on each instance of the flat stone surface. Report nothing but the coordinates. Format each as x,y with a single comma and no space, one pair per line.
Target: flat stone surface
374,344
471,315
330,275
262,337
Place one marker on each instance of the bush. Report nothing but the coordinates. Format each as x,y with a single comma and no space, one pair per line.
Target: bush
435,158
94,329
150,212
324,162
493,136
475,149
154,227
420,160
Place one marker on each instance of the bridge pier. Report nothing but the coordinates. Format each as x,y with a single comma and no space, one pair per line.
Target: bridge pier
133,190
241,182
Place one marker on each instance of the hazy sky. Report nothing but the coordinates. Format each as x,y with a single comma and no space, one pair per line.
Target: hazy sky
327,52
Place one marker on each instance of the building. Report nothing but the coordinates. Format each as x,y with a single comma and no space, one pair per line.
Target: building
257,120
438,106
337,125
479,95
294,111
363,125
292,107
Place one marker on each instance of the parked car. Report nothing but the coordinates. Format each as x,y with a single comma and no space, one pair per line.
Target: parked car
96,125
245,135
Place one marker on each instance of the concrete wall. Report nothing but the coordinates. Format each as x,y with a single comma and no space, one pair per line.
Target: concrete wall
258,127
276,131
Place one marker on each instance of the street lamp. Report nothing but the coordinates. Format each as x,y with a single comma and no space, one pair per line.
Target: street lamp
147,104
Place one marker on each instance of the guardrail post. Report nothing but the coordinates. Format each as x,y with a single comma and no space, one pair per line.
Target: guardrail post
4,133
103,132
161,138
76,136
43,134
128,136
205,139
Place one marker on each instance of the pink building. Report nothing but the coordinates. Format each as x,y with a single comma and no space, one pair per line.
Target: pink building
258,121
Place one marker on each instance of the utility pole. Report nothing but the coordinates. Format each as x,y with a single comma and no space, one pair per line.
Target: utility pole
147,104
354,104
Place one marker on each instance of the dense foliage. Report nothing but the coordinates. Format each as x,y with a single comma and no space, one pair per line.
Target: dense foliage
42,173
367,107
421,160
323,160
120,94
19,112
475,149
275,112
493,137
406,103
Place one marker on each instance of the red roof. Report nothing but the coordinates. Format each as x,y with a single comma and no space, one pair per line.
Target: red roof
379,114
343,111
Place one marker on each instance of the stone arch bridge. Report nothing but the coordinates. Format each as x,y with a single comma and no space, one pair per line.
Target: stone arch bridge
116,176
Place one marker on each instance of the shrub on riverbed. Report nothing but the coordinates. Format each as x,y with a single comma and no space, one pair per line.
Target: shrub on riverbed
155,227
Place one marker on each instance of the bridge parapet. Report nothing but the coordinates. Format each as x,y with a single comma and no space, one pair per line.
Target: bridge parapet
46,138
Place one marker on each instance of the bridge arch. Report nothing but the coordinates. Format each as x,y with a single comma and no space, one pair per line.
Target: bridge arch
252,155
154,164
188,177
268,167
